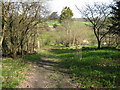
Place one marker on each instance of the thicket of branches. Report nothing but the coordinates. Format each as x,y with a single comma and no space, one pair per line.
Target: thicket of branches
19,27
71,33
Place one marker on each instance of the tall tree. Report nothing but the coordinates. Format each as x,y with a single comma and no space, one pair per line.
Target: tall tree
115,19
97,14
5,16
66,14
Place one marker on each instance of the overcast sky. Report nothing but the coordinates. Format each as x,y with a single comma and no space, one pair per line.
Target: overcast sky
58,5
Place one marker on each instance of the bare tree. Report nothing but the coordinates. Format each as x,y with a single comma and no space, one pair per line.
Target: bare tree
97,14
72,33
5,10
20,27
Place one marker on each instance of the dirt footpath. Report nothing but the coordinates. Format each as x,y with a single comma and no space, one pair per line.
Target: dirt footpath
43,76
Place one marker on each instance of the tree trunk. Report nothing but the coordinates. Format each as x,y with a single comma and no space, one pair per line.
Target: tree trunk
38,45
1,40
14,52
74,40
99,44
22,53
97,36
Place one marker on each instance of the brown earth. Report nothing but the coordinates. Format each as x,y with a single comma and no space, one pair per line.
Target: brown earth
43,75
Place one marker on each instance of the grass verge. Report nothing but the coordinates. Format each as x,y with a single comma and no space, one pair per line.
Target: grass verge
15,70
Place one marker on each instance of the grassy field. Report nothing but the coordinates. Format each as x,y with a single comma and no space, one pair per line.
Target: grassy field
91,68
84,23
94,68
52,22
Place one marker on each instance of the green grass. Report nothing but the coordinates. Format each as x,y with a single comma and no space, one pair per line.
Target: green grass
91,68
15,70
94,68
52,22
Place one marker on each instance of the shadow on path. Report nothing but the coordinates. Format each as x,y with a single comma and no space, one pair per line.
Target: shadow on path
45,73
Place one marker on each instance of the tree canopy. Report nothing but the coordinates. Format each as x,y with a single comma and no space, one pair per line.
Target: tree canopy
115,19
66,14
97,15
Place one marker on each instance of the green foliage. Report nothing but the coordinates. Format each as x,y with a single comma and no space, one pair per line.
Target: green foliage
115,19
66,14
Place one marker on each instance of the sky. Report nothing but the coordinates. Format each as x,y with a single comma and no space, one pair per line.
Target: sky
58,5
